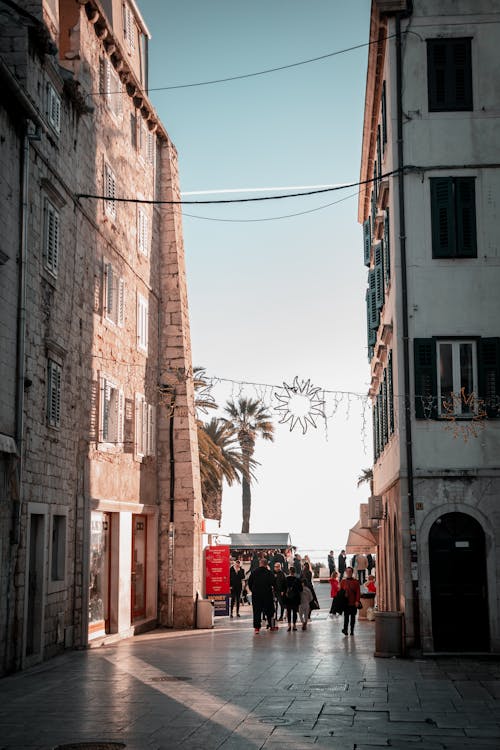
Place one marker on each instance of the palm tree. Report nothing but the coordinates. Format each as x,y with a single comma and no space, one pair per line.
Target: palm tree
366,477
220,459
248,420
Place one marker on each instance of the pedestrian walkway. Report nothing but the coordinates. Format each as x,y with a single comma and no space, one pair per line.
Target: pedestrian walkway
230,689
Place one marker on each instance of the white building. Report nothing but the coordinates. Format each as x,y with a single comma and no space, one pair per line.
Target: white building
430,210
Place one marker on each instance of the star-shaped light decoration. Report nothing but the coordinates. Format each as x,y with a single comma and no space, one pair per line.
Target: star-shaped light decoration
475,409
299,404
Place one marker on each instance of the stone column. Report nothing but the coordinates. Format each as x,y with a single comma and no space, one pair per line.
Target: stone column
178,583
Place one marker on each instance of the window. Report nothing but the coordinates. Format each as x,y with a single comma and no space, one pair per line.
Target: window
457,382
146,142
111,413
142,323
54,372
114,295
145,427
111,86
54,108
129,27
142,231
449,75
453,217
109,192
456,377
383,411
58,548
51,237
384,115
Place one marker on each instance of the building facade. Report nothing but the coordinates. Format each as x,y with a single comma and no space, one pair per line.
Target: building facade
429,208
100,513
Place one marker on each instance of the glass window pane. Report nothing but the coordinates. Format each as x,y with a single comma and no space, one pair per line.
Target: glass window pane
445,373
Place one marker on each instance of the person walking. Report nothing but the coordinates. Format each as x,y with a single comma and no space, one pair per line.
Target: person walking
261,584
254,564
361,567
306,598
342,564
334,590
353,593
236,578
331,563
292,599
307,578
297,564
279,590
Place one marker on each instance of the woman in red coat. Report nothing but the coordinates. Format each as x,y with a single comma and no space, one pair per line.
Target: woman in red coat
334,590
352,590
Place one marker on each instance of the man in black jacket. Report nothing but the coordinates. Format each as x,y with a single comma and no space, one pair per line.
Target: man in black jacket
342,564
236,578
279,589
261,584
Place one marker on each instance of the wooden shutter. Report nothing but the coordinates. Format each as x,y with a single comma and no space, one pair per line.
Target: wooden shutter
390,394
465,204
53,394
489,375
379,275
121,302
374,315
109,302
425,378
442,217
376,448
51,237
379,153
367,240
151,430
120,416
387,249
384,114
449,74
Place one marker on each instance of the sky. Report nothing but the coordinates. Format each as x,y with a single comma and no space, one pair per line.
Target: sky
282,298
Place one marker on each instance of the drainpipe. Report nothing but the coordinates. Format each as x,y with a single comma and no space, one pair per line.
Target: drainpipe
406,347
171,527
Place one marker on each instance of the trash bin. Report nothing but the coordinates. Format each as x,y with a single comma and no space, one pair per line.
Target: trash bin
204,613
389,634
367,600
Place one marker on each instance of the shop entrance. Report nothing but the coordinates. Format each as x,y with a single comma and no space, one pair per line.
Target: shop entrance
139,542
459,592
99,584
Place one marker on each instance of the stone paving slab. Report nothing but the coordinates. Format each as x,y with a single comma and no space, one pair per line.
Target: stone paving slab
226,689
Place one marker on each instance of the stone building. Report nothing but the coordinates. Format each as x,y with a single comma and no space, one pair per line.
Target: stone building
430,211
100,504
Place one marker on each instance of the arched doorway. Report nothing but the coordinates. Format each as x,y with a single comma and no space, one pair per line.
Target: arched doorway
459,593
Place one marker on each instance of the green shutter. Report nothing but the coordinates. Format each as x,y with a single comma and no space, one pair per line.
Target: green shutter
387,249
390,394
378,255
375,415
425,378
465,202
442,217
384,114
379,153
489,375
367,240
374,315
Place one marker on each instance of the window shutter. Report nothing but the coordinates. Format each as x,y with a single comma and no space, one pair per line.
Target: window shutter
53,394
367,240
465,202
489,375
449,74
461,73
133,130
387,250
109,192
425,378
385,423
51,237
442,217
120,416
102,76
143,231
379,275
109,282
150,147
144,425
374,316
54,108
151,430
390,394
384,114
376,451
121,302
104,421
379,153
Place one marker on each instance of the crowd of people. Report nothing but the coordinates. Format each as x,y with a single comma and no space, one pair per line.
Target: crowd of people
281,586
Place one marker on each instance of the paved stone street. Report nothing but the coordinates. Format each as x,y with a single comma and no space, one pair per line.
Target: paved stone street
227,688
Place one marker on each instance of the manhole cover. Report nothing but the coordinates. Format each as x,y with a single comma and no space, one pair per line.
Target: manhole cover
91,746
169,678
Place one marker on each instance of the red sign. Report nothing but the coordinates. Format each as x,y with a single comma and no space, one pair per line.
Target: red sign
217,570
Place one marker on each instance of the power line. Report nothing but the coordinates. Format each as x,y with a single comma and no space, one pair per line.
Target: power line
235,200
260,72
274,218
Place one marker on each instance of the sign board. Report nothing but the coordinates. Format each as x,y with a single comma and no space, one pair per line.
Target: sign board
217,577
